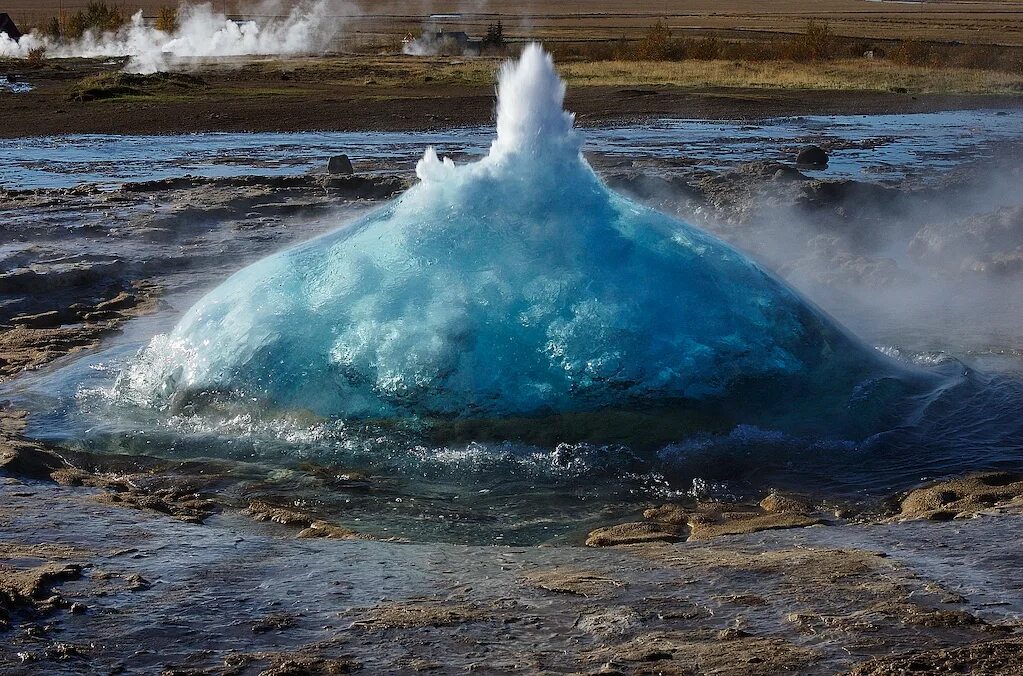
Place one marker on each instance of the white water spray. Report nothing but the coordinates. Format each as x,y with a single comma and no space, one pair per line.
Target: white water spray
202,33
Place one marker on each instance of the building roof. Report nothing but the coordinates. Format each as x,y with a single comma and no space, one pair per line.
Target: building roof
7,26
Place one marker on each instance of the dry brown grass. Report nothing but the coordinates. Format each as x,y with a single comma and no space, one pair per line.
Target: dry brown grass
844,74
977,21
848,74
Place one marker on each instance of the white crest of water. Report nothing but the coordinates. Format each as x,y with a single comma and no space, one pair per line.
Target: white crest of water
531,115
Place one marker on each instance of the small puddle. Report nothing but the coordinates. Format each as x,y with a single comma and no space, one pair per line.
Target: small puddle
14,86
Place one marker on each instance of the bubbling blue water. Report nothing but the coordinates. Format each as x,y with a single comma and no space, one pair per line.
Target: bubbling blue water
516,286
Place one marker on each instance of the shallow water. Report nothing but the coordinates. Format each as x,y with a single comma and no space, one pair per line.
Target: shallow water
19,87
874,147
515,493
211,583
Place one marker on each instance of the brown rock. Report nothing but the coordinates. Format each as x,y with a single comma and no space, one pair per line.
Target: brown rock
42,320
786,503
743,523
672,514
264,511
323,529
634,533
31,587
568,581
963,497
732,651
418,614
121,301
27,460
311,666
984,657
274,622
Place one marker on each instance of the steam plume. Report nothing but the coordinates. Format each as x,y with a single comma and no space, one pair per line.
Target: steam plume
202,33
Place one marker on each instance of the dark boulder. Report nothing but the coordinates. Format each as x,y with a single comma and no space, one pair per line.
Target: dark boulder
654,187
812,156
340,165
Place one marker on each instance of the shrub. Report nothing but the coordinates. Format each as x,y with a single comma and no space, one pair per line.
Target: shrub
911,53
704,49
97,17
817,43
52,28
656,44
167,19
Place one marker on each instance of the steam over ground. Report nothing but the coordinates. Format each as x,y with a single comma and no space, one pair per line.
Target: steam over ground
941,257
201,33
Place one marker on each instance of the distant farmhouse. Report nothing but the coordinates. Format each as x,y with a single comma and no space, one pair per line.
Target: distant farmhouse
446,43
7,26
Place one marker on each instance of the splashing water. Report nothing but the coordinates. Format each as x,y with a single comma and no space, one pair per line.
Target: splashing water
515,287
201,33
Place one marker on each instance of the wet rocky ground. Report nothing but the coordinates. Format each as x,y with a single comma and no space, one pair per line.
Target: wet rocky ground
131,564
136,566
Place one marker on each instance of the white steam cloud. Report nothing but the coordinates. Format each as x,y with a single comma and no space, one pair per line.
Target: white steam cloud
202,33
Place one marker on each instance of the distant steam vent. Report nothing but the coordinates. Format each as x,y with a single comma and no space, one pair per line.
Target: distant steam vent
180,38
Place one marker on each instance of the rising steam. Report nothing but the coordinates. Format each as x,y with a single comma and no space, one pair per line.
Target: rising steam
202,33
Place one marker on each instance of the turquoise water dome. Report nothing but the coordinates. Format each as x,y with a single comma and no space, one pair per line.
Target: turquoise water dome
518,287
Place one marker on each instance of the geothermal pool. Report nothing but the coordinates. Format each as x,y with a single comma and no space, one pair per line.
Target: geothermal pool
687,370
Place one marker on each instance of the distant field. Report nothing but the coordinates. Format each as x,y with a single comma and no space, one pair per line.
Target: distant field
401,74
383,21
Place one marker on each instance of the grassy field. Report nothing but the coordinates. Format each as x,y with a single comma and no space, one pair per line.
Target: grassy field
389,76
385,21
844,74
394,73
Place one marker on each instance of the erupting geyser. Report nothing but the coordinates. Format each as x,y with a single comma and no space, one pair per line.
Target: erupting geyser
517,286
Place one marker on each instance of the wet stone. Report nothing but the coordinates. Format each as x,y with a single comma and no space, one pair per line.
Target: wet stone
418,614
340,165
569,581
964,497
634,533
